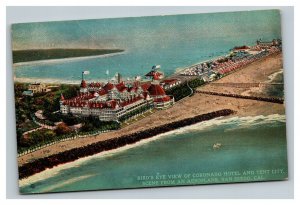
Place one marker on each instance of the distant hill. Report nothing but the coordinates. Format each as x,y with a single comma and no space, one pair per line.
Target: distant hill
46,54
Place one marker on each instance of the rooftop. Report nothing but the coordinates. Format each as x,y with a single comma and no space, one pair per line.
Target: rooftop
155,90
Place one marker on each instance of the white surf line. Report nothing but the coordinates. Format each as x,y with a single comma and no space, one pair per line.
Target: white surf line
55,170
196,127
67,182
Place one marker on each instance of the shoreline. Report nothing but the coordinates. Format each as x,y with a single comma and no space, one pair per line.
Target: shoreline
49,81
53,171
56,81
190,128
195,105
58,60
42,164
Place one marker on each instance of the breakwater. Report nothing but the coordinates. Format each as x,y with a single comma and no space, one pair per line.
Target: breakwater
41,164
265,99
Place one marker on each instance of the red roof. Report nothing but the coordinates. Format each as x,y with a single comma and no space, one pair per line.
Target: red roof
145,86
75,103
108,86
102,92
78,102
83,84
170,81
111,104
129,101
121,87
96,85
145,94
154,74
162,99
156,89
132,89
79,98
136,83
96,105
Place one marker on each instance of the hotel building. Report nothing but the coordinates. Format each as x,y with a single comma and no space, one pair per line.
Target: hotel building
114,100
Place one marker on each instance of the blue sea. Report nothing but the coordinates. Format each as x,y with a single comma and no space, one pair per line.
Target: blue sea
173,42
251,149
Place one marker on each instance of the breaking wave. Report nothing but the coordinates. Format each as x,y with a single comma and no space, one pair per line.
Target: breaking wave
231,124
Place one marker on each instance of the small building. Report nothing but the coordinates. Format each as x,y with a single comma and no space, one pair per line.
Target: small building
212,77
169,83
38,88
205,78
160,99
155,74
157,92
268,44
27,93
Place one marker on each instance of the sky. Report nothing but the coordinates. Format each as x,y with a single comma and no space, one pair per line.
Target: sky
144,32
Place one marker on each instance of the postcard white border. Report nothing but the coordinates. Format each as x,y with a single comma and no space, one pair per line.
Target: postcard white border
174,192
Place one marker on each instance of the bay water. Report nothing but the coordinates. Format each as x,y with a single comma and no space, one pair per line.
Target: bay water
174,42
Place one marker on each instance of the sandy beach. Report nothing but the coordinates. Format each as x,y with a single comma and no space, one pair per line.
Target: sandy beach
191,106
258,72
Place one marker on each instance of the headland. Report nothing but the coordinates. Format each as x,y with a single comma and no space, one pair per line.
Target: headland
62,53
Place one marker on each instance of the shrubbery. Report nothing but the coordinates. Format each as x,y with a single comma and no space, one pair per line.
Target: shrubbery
196,83
135,112
42,137
94,124
69,119
179,92
37,137
183,90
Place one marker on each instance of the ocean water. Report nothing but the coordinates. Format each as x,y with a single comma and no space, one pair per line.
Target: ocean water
173,42
252,149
